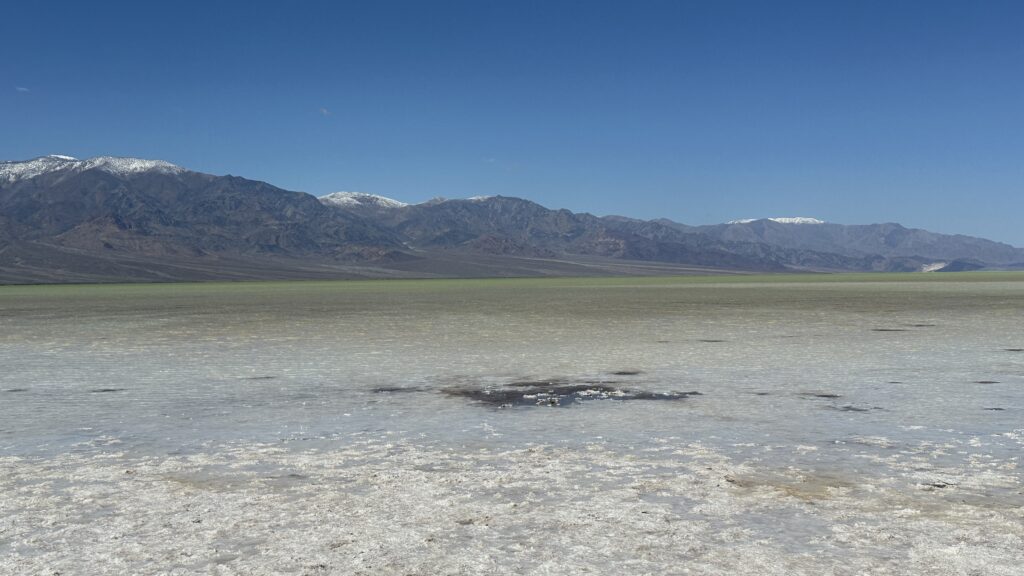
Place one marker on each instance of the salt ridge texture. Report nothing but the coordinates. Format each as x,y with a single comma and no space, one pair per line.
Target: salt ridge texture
377,506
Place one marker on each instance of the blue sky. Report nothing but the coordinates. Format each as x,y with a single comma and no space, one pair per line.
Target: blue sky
700,111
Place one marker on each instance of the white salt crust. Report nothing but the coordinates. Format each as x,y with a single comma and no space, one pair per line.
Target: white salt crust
381,507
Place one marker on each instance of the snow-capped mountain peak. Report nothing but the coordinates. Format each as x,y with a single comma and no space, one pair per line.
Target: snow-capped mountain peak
124,166
21,170
352,199
781,220
10,171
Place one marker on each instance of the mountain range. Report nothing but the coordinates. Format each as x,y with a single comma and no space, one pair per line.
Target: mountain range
113,219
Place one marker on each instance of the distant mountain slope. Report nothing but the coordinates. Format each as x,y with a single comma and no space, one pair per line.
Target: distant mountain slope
127,219
888,240
127,208
506,225
513,226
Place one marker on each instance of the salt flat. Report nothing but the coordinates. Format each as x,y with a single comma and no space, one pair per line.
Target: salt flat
755,425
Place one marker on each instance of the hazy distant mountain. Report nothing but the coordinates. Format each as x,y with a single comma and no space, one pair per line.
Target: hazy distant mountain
504,225
125,219
513,226
889,240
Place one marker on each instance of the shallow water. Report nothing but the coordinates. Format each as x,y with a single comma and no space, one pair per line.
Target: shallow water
643,426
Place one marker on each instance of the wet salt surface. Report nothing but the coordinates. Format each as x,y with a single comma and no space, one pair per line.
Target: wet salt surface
313,428
555,393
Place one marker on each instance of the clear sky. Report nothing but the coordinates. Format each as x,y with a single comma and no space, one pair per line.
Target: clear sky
700,111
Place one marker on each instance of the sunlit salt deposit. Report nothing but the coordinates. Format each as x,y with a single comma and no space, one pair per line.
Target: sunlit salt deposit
615,426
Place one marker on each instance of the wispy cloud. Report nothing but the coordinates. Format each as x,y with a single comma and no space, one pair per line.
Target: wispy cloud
325,112
21,89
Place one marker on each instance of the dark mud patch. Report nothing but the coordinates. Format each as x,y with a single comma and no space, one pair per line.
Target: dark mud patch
826,395
538,383
889,330
15,390
397,389
1014,349
986,382
854,408
556,395
259,378
995,409
627,373
291,476
761,393
710,340
894,382
922,325
106,390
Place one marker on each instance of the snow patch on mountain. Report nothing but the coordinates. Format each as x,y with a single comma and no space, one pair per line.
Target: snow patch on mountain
10,171
22,170
126,166
351,199
781,220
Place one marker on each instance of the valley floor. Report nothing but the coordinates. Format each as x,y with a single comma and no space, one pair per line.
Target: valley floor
817,424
